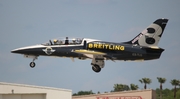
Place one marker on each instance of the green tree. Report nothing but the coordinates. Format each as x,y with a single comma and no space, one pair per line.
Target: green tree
134,87
161,81
120,87
145,81
83,93
168,93
175,83
98,92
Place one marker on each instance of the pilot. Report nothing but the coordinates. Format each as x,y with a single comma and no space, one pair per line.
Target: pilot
66,41
56,42
61,42
79,41
74,41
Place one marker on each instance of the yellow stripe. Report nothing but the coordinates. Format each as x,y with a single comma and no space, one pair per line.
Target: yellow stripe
154,47
135,60
89,52
139,60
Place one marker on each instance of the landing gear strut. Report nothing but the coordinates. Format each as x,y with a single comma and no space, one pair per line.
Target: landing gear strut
97,63
32,64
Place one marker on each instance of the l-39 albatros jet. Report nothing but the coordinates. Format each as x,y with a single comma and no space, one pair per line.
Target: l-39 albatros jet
143,47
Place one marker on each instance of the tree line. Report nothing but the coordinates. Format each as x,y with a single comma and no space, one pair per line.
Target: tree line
161,93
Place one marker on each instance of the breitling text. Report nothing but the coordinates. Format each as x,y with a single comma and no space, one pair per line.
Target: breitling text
106,46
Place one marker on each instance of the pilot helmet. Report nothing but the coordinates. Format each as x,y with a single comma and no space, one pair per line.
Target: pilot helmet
73,40
55,40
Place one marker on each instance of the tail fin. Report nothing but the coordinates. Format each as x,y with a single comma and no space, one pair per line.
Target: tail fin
151,35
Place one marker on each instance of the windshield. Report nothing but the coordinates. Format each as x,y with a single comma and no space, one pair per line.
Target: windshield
64,41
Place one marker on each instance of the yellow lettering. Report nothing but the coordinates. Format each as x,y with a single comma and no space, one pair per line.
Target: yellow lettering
111,47
100,46
117,47
106,46
95,45
90,46
122,48
103,46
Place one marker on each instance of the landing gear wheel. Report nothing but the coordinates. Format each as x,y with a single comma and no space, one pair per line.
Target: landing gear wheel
96,68
32,64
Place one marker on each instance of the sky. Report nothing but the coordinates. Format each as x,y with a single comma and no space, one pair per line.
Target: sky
31,22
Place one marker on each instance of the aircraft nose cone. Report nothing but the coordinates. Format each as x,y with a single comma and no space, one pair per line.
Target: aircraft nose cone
15,51
35,49
20,50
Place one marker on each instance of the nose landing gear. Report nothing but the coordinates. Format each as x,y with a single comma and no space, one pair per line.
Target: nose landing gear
32,64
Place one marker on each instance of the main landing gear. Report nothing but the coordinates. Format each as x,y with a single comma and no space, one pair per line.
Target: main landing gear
96,68
97,63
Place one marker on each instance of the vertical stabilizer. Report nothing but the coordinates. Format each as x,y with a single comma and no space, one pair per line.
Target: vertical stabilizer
151,35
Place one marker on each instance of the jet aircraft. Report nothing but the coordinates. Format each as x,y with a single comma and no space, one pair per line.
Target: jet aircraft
143,47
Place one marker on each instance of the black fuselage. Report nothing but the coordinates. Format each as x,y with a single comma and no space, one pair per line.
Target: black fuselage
118,51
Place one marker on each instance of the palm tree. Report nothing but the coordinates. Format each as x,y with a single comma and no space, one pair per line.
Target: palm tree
134,87
145,81
175,83
120,87
161,81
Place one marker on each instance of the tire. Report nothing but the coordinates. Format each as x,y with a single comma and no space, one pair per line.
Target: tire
96,68
32,64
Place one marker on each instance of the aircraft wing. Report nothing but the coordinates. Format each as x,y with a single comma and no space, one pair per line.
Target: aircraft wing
82,51
94,53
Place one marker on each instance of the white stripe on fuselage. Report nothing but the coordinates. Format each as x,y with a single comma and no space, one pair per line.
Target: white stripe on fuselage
41,46
29,47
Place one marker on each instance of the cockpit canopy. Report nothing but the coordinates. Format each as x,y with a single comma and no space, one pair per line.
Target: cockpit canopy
64,41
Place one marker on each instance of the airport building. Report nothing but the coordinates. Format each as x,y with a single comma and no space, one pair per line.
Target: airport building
20,91
136,94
